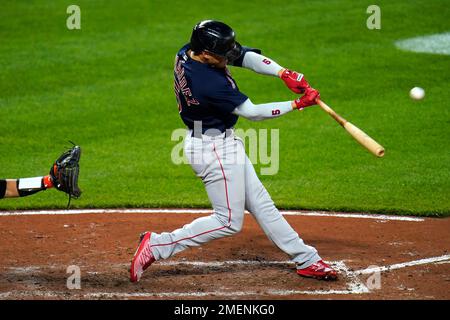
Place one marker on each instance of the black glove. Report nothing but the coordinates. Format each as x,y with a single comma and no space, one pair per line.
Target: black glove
65,170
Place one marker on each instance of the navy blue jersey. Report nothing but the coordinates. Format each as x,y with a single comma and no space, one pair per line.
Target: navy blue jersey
205,93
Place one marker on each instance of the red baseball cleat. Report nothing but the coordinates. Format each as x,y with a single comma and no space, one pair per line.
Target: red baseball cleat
319,270
143,258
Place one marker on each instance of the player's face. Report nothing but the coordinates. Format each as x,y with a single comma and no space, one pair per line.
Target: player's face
215,60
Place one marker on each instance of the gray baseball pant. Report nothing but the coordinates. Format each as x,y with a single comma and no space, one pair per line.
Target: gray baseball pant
232,186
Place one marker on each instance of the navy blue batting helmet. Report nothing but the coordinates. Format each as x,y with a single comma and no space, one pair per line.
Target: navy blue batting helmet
215,37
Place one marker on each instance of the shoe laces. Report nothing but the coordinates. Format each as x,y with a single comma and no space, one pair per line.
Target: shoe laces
320,266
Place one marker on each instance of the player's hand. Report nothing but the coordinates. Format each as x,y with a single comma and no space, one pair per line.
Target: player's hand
308,99
294,81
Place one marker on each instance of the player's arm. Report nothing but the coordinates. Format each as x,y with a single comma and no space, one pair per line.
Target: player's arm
255,61
12,188
63,175
252,59
258,112
8,188
263,111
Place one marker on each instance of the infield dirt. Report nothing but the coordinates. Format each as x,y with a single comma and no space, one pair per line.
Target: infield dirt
36,251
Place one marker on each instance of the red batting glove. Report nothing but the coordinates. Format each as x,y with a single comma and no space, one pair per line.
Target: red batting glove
308,99
295,81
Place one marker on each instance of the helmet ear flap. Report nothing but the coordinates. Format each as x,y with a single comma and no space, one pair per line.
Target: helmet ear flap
234,53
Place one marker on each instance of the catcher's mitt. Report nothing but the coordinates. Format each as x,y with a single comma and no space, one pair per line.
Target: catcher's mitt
65,170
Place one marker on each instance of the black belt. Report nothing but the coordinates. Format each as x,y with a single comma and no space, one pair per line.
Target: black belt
212,132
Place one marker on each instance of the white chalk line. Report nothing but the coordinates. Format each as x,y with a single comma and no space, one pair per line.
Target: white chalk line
96,295
354,284
205,211
403,265
270,292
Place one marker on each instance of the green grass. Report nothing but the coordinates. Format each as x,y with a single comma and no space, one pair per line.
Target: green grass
108,87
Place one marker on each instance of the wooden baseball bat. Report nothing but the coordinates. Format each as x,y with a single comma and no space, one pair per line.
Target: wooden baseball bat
359,135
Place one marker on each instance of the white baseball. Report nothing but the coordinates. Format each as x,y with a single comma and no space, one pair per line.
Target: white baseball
417,93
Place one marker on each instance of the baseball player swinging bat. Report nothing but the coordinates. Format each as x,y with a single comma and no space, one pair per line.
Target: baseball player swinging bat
210,103
359,135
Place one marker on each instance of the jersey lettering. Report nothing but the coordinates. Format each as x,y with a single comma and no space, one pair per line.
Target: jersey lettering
181,85
276,112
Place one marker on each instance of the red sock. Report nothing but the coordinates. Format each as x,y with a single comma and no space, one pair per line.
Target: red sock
48,183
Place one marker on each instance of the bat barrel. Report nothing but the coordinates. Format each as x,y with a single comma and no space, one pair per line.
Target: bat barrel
366,141
359,135
380,152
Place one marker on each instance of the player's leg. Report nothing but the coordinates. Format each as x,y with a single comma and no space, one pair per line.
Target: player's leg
11,188
214,161
259,203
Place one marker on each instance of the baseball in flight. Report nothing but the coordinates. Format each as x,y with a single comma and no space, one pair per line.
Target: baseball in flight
417,93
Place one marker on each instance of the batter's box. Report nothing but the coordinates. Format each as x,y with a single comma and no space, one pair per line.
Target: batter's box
235,279
240,279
